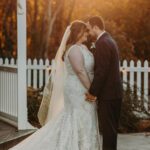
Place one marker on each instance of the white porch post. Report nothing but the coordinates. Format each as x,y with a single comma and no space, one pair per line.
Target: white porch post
22,84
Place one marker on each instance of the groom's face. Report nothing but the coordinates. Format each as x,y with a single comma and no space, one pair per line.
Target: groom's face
91,30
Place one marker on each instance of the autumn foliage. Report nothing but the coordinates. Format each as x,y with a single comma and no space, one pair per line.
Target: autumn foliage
127,20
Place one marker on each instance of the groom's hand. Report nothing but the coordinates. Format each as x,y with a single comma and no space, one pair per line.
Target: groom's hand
90,97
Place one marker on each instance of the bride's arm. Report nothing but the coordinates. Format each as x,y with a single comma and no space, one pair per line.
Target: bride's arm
77,61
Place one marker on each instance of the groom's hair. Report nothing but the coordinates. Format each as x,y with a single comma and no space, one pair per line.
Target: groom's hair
97,21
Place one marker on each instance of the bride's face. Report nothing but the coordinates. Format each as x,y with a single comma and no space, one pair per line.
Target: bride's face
84,36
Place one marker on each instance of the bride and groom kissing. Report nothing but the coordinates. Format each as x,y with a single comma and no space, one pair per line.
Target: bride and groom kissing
84,94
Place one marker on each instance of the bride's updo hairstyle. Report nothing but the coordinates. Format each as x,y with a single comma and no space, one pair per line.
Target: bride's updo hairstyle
77,30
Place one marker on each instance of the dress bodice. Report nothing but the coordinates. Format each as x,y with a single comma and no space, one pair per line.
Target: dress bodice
88,60
74,90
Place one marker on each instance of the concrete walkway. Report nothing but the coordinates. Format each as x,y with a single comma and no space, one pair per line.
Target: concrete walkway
135,141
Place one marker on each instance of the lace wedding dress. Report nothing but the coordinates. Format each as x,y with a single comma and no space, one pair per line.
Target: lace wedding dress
76,128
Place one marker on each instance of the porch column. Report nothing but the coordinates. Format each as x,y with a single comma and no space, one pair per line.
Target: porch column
21,59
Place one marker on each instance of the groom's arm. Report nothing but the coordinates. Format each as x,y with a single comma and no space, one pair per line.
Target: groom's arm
102,64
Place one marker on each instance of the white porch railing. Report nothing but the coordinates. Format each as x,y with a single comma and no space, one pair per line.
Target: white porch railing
38,74
8,95
9,100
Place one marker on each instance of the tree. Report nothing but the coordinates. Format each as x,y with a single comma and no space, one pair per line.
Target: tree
41,22
8,34
127,20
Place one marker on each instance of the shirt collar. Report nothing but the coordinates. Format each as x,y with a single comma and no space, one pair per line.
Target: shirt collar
101,34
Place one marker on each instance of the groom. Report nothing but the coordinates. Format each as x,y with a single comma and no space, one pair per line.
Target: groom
106,85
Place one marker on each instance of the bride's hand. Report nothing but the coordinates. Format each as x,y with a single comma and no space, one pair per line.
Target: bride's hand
90,97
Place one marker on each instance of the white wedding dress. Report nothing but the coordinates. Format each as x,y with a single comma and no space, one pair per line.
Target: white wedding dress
76,127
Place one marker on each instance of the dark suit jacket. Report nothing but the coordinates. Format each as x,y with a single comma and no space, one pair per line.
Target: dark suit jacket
107,84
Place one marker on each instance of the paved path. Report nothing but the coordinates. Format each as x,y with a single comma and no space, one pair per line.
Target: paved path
9,133
137,141
134,142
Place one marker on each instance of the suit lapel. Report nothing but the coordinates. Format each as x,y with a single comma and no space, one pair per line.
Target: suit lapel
103,36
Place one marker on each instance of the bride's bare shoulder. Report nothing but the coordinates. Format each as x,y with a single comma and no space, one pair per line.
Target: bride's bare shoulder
74,47
84,46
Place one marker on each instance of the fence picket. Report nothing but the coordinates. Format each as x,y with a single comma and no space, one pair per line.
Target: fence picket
29,73
124,72
1,61
132,75
47,70
139,78
35,74
6,61
41,74
12,62
146,84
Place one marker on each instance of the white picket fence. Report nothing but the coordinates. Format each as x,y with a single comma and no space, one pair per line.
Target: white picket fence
37,71
136,75
132,73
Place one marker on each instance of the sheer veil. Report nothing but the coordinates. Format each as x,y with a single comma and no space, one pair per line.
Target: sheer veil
54,95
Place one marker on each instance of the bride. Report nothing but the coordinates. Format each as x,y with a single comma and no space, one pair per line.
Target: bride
71,122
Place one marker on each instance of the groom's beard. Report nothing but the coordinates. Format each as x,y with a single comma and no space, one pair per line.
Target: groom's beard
89,42
91,38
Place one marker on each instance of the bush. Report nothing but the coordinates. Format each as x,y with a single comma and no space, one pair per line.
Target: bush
132,107
34,99
133,111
